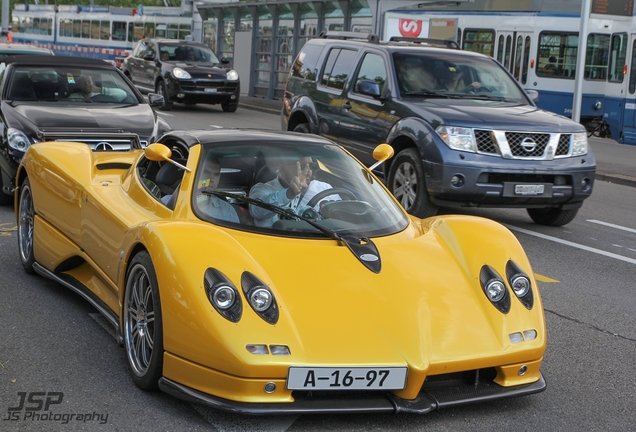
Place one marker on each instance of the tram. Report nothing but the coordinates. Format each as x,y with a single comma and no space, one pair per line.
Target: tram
103,32
537,41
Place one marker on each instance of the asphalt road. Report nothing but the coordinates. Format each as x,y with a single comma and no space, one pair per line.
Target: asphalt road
56,351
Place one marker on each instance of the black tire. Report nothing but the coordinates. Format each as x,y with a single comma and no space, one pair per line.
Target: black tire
229,106
407,183
163,91
552,216
302,128
4,198
26,218
143,324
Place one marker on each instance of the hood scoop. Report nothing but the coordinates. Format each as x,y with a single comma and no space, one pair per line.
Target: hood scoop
365,250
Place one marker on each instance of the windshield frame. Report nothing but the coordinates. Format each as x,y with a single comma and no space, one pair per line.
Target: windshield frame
200,50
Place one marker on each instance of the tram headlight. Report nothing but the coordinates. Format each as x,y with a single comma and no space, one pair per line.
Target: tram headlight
579,144
457,138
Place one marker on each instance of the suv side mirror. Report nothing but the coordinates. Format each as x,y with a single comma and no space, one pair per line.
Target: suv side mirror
155,100
225,60
368,88
534,95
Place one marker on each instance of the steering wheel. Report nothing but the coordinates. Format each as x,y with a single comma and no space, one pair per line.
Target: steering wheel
333,191
472,89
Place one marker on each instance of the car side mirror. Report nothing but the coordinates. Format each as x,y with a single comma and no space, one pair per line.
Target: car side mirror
534,95
225,60
158,152
149,57
381,153
155,100
368,88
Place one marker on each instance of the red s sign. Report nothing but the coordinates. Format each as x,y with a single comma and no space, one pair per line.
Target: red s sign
410,28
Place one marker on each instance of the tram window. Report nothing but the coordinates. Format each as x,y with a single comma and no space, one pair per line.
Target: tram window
632,71
104,33
66,27
596,57
617,57
131,32
77,28
149,30
526,61
500,49
86,29
518,52
95,29
119,31
481,41
138,32
556,56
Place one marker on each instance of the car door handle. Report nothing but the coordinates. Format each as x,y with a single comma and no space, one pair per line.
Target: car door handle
346,105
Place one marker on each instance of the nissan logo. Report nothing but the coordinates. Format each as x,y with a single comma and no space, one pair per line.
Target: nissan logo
528,144
103,146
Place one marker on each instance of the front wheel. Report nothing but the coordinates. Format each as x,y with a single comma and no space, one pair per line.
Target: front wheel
552,216
302,128
163,91
408,184
229,106
143,331
4,198
26,217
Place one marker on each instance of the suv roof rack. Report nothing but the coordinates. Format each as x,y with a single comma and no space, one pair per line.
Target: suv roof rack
369,37
445,43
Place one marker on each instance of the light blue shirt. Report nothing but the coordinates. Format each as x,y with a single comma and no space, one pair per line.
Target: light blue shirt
271,192
220,209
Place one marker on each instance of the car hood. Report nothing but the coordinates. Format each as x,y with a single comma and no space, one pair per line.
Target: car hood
491,115
203,71
31,118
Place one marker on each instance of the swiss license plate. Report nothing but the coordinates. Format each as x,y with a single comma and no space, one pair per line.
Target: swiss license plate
344,378
209,90
529,189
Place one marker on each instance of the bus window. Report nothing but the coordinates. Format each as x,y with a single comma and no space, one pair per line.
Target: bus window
596,57
632,71
556,56
500,49
481,41
507,52
617,57
526,61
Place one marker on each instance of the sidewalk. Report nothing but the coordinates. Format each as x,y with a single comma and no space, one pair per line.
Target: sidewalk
615,163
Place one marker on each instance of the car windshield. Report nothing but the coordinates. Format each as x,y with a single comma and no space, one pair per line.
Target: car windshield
454,76
253,186
199,54
68,85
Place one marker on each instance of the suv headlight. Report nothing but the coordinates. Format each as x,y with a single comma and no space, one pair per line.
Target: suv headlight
232,75
457,138
18,139
180,73
579,144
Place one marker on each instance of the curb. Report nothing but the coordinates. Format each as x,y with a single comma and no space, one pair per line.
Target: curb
258,107
616,178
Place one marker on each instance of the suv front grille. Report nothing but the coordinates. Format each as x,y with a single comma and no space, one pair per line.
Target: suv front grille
520,145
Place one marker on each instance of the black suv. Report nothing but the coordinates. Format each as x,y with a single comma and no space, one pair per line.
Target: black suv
463,130
183,71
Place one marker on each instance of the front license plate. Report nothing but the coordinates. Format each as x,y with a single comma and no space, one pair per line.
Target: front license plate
343,378
209,90
529,189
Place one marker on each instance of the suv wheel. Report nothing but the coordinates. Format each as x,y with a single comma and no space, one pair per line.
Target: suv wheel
408,184
552,216
302,128
163,91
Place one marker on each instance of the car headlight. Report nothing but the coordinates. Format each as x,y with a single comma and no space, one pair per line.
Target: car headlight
579,144
18,139
495,289
232,75
520,284
457,138
223,295
260,297
180,73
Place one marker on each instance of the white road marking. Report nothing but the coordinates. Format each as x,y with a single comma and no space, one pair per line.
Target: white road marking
216,126
572,244
615,245
611,225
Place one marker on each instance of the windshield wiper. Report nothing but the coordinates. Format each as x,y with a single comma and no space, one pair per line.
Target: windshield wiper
426,93
480,97
363,248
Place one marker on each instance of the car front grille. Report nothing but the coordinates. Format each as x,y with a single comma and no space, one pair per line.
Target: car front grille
522,145
220,86
97,141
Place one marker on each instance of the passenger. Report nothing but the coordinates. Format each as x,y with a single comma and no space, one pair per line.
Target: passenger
88,90
292,188
165,56
191,55
413,78
208,181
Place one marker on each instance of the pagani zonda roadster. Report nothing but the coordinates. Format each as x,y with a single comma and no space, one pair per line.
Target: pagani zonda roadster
331,300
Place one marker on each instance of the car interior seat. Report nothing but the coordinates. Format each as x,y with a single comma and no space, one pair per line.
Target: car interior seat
22,89
168,177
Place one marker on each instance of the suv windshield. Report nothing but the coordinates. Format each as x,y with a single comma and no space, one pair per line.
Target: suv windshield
68,85
340,196
198,54
447,75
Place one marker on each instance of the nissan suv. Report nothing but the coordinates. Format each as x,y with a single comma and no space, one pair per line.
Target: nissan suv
463,130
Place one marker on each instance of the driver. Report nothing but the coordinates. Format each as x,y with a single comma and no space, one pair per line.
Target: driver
292,188
455,81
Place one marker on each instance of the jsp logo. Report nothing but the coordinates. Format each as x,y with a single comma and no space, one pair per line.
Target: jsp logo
37,401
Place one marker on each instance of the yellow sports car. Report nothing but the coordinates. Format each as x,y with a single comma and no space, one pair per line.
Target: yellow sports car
272,273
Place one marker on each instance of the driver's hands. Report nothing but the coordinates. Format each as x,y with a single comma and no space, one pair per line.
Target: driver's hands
476,85
300,182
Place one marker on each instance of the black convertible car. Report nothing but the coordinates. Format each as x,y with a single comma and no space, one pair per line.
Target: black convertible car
48,98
